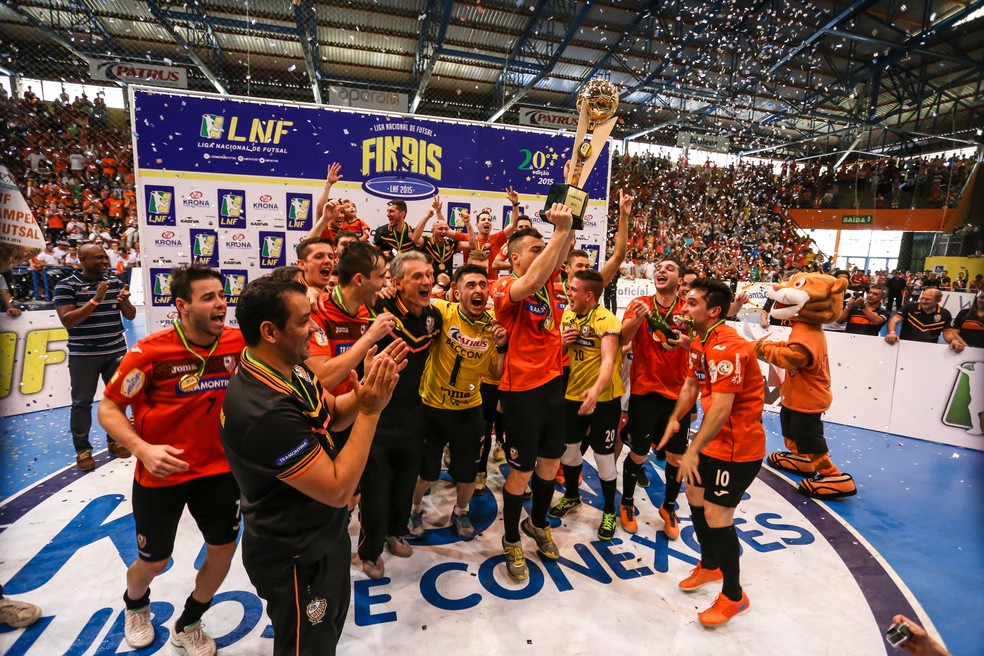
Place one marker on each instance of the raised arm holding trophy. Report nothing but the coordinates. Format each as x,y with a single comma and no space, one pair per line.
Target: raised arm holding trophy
596,104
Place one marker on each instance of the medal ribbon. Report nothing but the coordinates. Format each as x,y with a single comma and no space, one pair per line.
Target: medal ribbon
710,330
299,392
336,295
184,341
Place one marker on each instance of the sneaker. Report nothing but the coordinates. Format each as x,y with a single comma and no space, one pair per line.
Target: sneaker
607,529
699,577
565,506
84,461
18,614
544,541
194,640
498,454
462,524
671,526
627,517
481,482
416,525
559,476
515,561
374,569
723,609
642,479
137,628
398,547
118,450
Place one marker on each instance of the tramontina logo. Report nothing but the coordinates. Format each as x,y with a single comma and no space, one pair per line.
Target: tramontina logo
966,403
212,126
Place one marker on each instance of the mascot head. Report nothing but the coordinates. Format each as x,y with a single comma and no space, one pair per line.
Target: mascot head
809,297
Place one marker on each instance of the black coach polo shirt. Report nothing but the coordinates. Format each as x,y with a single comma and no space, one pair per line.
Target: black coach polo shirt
272,431
919,326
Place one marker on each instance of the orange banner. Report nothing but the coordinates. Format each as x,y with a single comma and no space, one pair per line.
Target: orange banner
868,219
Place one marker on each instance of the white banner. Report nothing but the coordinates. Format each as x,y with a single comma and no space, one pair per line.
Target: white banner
956,301
33,363
386,101
715,143
139,73
543,118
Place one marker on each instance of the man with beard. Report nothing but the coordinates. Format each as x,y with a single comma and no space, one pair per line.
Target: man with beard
89,304
492,242
440,246
175,380
659,362
394,238
467,348
394,460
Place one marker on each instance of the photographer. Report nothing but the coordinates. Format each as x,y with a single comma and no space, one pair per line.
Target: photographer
864,315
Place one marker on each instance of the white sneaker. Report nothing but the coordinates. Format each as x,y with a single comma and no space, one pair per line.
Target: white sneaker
138,629
18,614
194,640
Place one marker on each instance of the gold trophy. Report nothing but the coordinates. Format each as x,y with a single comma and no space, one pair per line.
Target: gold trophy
596,104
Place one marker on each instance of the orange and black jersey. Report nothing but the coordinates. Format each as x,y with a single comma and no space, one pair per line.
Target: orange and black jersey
859,324
441,253
919,326
148,379
971,327
336,330
392,242
273,430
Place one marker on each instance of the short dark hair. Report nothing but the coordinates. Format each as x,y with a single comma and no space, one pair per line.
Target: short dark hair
523,217
304,248
399,204
519,235
478,254
681,268
718,294
577,253
593,281
184,275
343,234
359,257
467,269
264,299
288,272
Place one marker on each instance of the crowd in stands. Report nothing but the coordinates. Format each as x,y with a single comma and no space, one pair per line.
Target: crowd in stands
76,171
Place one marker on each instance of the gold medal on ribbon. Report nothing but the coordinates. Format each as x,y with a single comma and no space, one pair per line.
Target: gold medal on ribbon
547,323
188,382
441,266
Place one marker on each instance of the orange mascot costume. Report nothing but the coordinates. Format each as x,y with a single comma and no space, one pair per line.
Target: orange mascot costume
808,301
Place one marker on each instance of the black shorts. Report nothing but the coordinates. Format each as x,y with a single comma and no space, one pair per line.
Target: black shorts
490,402
535,424
598,428
648,415
306,602
806,429
213,501
463,432
725,482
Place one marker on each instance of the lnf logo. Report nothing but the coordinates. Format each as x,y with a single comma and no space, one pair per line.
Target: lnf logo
966,403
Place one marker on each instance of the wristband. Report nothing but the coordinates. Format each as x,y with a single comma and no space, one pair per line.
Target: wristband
501,348
94,302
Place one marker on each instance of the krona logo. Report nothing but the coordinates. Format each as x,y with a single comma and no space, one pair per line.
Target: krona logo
195,195
167,234
266,198
238,237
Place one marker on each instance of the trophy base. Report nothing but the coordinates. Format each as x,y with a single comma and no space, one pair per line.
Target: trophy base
573,197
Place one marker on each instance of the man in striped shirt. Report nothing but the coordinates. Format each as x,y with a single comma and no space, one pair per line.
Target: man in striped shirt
89,304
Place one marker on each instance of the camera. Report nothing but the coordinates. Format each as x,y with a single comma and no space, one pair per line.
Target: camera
897,634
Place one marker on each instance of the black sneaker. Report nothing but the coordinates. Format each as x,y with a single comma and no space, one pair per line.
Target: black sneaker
565,506
606,531
642,480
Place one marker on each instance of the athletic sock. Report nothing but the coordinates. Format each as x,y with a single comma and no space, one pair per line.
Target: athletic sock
512,508
726,547
608,492
572,474
672,487
543,490
708,555
192,613
629,469
136,604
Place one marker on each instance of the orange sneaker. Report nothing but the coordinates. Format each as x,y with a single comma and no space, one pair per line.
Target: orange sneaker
723,609
627,516
699,577
670,524
559,477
